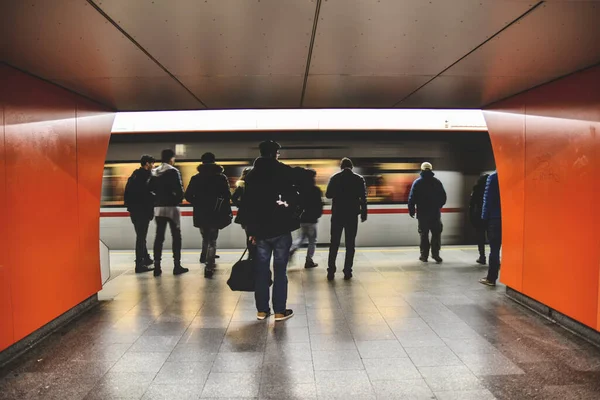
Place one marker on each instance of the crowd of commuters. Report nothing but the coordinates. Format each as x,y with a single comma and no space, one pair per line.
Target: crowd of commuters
273,200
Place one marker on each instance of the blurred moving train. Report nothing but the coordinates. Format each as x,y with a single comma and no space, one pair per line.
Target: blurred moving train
389,161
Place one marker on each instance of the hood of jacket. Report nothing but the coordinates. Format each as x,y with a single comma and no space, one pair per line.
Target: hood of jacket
161,169
210,169
427,174
263,166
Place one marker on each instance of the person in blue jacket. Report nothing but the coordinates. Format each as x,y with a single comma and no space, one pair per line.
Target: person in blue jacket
492,214
426,199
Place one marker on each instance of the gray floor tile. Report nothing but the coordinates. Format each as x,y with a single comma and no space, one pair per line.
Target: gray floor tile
419,339
490,364
285,333
482,394
433,356
337,360
288,391
183,373
193,352
389,369
154,344
173,392
344,385
455,378
372,332
238,362
121,385
332,342
414,389
232,384
380,349
285,372
140,362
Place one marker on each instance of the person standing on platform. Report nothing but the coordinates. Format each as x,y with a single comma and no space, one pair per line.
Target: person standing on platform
492,215
237,199
426,199
475,209
349,193
270,207
312,200
208,192
166,184
139,201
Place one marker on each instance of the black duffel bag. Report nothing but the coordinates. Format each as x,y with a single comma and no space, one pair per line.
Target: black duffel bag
243,275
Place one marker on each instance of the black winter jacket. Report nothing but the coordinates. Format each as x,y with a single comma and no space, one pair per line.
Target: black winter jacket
312,203
208,192
139,199
166,185
428,196
349,193
476,202
271,199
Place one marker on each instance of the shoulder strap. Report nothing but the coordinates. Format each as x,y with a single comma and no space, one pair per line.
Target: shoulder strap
244,253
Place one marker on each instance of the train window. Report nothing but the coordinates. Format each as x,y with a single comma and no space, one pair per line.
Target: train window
387,182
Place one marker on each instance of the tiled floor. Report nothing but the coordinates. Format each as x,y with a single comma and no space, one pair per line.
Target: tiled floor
399,330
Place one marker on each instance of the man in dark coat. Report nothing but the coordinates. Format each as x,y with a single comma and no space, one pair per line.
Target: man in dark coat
492,215
312,203
426,199
270,205
139,201
166,184
208,192
475,208
349,193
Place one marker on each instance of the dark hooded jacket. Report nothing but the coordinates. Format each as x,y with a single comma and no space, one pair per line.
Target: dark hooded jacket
208,193
476,202
349,193
271,200
166,184
139,199
428,196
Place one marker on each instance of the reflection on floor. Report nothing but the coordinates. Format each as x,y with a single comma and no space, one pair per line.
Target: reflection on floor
400,330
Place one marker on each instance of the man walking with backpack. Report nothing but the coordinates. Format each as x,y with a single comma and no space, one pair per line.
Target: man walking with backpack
312,202
139,201
208,192
166,184
271,214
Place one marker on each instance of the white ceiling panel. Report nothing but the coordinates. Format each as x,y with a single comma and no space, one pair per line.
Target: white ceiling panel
220,37
391,37
559,37
267,91
68,40
466,91
326,91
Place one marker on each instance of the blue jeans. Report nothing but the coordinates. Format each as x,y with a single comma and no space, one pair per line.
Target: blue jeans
494,231
280,248
307,231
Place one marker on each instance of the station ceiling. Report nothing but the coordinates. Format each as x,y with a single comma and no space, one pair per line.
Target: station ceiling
191,54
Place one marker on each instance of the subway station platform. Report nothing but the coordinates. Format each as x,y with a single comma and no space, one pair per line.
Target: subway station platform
400,329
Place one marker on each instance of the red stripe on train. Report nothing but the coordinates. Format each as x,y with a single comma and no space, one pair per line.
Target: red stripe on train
113,214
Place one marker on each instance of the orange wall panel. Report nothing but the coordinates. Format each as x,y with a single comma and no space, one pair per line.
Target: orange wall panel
55,145
559,216
508,142
6,315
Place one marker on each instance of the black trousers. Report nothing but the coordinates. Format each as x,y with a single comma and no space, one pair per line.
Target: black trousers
161,228
349,225
494,231
141,225
206,240
480,231
433,225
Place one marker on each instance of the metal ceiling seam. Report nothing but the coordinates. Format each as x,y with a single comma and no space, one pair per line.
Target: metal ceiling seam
520,17
310,50
143,50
